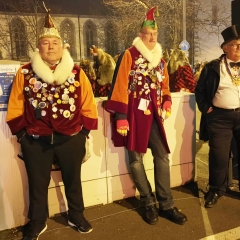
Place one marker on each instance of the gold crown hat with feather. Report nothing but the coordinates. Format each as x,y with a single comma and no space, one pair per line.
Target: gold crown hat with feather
49,29
64,67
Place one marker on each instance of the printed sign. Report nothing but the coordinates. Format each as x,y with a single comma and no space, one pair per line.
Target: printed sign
7,74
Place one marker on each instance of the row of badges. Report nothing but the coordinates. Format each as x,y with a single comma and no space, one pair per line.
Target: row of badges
54,96
149,79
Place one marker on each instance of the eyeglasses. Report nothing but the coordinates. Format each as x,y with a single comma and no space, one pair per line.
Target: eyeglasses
150,34
234,45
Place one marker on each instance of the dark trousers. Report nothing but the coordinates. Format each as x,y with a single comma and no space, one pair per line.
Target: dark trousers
161,172
38,157
223,125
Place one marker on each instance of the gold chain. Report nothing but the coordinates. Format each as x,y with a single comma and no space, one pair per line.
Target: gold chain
235,79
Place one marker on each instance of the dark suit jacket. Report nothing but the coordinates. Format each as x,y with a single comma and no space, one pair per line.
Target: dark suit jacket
205,90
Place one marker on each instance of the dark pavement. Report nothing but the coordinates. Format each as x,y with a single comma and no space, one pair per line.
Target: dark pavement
123,219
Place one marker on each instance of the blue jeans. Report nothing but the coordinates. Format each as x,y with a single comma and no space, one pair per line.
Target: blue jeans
161,172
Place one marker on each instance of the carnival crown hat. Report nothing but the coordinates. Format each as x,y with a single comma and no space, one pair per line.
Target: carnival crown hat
49,29
150,19
230,33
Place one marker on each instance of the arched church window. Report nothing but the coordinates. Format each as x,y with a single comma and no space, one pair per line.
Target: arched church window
18,39
90,36
111,44
67,31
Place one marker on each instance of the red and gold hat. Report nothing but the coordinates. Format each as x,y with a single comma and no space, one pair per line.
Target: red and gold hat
150,19
49,29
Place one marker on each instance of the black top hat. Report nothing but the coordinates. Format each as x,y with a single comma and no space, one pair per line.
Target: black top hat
230,33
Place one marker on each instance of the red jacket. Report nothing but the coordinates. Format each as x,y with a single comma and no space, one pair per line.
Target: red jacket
132,82
63,108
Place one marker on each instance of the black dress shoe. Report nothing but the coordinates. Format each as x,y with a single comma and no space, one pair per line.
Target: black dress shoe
211,199
151,214
174,215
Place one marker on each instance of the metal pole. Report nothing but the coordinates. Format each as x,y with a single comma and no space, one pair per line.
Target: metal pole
184,19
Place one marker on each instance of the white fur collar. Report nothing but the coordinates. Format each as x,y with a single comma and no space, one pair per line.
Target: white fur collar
61,73
153,56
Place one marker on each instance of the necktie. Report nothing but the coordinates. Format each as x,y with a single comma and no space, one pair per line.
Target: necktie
234,64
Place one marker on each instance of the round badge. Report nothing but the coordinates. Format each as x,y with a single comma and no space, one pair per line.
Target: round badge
43,113
24,71
59,101
76,83
35,89
72,108
42,104
66,114
26,89
71,80
132,72
54,109
71,101
32,81
38,84
45,85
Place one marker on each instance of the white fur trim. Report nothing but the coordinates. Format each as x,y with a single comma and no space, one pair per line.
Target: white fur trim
153,56
61,73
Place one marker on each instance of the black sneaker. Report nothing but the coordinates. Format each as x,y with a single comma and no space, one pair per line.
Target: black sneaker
83,226
174,215
35,229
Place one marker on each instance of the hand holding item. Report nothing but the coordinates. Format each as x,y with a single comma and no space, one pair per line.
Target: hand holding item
122,127
166,109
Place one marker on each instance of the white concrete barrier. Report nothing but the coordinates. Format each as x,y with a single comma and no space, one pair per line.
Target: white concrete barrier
105,176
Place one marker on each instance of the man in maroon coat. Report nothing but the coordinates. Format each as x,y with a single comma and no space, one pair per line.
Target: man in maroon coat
140,100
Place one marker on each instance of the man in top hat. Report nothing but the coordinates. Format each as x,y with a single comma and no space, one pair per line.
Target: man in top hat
51,110
217,95
139,96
